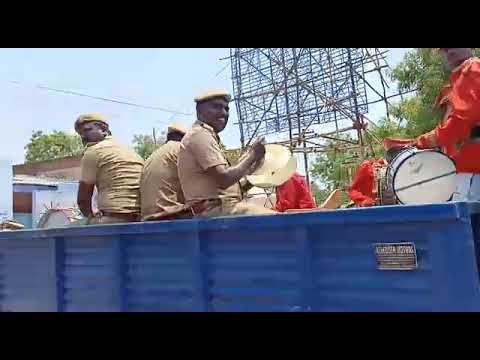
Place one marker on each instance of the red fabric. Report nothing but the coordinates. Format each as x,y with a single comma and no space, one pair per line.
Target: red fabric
392,143
294,194
449,149
463,115
443,96
363,191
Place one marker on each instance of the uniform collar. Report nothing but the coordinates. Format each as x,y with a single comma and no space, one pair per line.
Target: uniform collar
207,127
462,65
458,67
108,137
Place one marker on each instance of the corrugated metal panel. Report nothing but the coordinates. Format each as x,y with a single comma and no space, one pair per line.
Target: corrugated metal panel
27,275
91,276
346,277
160,273
253,270
300,262
34,180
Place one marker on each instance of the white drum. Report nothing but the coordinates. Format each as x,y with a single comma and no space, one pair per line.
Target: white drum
422,176
277,167
53,218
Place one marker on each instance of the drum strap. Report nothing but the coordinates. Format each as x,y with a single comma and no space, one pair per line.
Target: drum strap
376,178
475,133
425,181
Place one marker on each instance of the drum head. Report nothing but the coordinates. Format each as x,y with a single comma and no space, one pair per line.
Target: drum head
277,167
56,218
423,177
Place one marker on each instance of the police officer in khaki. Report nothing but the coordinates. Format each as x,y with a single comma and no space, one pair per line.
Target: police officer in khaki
210,185
113,168
161,193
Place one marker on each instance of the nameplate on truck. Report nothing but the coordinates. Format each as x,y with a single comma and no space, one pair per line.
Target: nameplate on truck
396,256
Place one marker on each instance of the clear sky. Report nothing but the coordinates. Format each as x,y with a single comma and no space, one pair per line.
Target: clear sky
166,78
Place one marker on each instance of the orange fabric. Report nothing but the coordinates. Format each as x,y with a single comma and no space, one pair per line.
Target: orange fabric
393,143
294,194
442,102
363,189
443,96
463,115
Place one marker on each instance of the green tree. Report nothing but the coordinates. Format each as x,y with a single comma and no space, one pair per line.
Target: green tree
421,70
145,145
52,146
333,167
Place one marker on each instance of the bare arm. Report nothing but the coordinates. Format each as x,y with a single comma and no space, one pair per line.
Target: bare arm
84,198
227,176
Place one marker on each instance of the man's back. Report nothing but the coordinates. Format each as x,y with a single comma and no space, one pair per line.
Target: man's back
160,188
116,171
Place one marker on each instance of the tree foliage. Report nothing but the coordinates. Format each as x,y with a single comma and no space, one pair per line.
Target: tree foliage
52,146
145,145
421,70
333,166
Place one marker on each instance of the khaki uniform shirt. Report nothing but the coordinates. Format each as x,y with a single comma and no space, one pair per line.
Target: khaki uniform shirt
160,188
116,171
199,151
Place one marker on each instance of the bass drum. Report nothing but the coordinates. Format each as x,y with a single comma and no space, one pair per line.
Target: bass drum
422,176
385,193
54,218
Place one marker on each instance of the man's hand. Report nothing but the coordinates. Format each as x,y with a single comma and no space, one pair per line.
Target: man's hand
227,176
84,198
367,203
245,185
258,148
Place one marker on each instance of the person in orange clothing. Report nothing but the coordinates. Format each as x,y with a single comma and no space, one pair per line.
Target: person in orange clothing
294,194
461,123
442,103
363,190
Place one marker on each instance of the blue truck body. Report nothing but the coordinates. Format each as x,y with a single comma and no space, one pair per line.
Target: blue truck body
318,261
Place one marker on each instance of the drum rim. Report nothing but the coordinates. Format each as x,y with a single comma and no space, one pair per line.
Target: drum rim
422,150
44,218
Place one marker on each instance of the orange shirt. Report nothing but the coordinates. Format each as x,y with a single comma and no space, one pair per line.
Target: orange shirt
363,189
294,194
462,116
442,102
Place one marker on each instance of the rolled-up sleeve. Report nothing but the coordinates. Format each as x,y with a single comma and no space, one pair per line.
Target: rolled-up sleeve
206,150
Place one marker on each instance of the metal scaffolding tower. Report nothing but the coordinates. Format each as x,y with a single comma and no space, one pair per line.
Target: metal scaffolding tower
312,94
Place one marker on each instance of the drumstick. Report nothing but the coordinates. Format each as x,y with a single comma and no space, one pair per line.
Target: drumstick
425,181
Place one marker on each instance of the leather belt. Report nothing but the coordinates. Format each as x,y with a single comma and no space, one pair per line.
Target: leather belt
124,216
201,206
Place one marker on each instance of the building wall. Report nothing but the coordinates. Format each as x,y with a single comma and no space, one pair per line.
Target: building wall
30,201
70,173
68,168
6,190
22,202
64,197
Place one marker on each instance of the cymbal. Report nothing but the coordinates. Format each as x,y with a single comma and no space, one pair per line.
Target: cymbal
277,167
